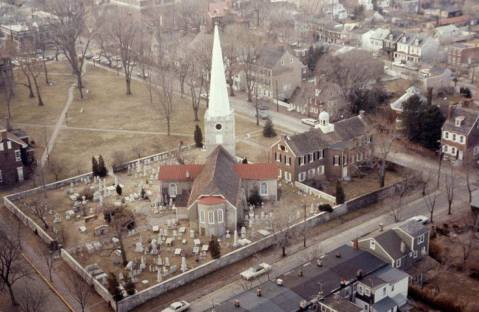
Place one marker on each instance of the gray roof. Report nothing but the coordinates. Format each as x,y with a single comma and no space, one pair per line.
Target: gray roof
218,177
385,304
269,56
345,131
470,117
340,304
391,275
274,299
413,228
334,269
391,243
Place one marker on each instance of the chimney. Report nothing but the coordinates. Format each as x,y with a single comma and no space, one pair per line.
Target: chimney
355,244
259,292
237,303
188,175
381,227
338,255
359,273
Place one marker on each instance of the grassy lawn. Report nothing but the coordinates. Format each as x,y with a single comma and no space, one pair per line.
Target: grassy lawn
26,110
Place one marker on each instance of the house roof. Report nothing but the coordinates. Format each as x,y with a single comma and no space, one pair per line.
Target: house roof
391,243
385,304
179,172
372,281
461,20
413,227
211,200
269,56
344,132
470,118
391,275
340,304
217,177
257,171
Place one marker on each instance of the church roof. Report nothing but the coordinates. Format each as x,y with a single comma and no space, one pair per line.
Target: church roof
218,177
219,104
179,172
257,171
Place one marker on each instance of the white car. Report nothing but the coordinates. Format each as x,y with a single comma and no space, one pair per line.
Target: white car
310,121
256,271
178,306
420,219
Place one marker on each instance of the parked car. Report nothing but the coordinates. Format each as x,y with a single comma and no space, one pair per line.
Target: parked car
178,306
310,121
142,75
420,219
256,271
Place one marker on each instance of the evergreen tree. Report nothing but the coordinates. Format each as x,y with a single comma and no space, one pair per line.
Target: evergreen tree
268,130
255,199
423,122
94,166
198,136
119,190
214,247
102,171
245,161
340,196
114,287
129,286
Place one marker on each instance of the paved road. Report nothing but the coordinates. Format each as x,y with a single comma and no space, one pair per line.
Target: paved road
356,228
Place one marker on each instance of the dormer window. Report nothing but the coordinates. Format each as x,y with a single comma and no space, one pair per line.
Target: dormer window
458,121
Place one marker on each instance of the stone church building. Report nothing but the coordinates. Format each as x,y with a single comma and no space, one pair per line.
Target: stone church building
213,196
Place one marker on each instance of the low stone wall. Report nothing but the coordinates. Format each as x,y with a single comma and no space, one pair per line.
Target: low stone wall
27,220
312,191
78,268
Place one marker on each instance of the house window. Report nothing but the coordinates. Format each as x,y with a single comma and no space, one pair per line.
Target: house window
461,139
263,189
415,254
384,291
444,148
301,176
220,216
173,189
9,145
321,170
420,239
336,160
454,137
211,217
398,263
18,155
360,289
202,216
289,161
367,291
453,151
372,244
446,135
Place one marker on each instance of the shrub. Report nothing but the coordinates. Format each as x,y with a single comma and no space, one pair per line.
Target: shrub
214,247
102,171
435,251
119,190
130,286
340,196
268,130
254,198
87,192
198,136
325,207
442,302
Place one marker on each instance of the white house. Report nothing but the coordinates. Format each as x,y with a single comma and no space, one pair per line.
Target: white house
416,48
335,9
452,33
373,40
383,291
435,77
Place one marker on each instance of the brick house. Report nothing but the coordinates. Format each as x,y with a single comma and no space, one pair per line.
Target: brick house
16,156
463,54
331,151
460,134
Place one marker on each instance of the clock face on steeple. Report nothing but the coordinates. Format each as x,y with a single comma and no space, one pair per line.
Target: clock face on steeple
219,127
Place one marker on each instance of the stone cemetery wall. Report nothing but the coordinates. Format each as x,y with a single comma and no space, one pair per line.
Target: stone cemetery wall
27,220
312,191
75,266
133,301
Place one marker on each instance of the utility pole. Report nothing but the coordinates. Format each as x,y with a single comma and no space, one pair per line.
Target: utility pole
304,225
256,104
277,96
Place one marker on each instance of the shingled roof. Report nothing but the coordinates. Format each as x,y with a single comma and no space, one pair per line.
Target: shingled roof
470,118
218,177
344,132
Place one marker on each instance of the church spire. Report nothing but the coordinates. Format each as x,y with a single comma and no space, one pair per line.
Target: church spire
219,104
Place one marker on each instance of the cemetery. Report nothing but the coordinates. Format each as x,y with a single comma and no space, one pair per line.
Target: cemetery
97,219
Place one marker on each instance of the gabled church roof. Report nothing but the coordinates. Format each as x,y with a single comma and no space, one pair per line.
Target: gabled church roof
218,177
219,104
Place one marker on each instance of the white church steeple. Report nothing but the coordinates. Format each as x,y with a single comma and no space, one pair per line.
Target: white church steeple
219,117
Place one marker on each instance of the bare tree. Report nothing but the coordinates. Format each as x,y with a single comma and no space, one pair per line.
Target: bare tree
468,166
430,198
119,219
466,246
55,167
8,92
383,143
11,267
48,256
281,225
196,83
39,209
166,100
26,73
32,298
124,31
450,186
80,289
70,23
34,69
